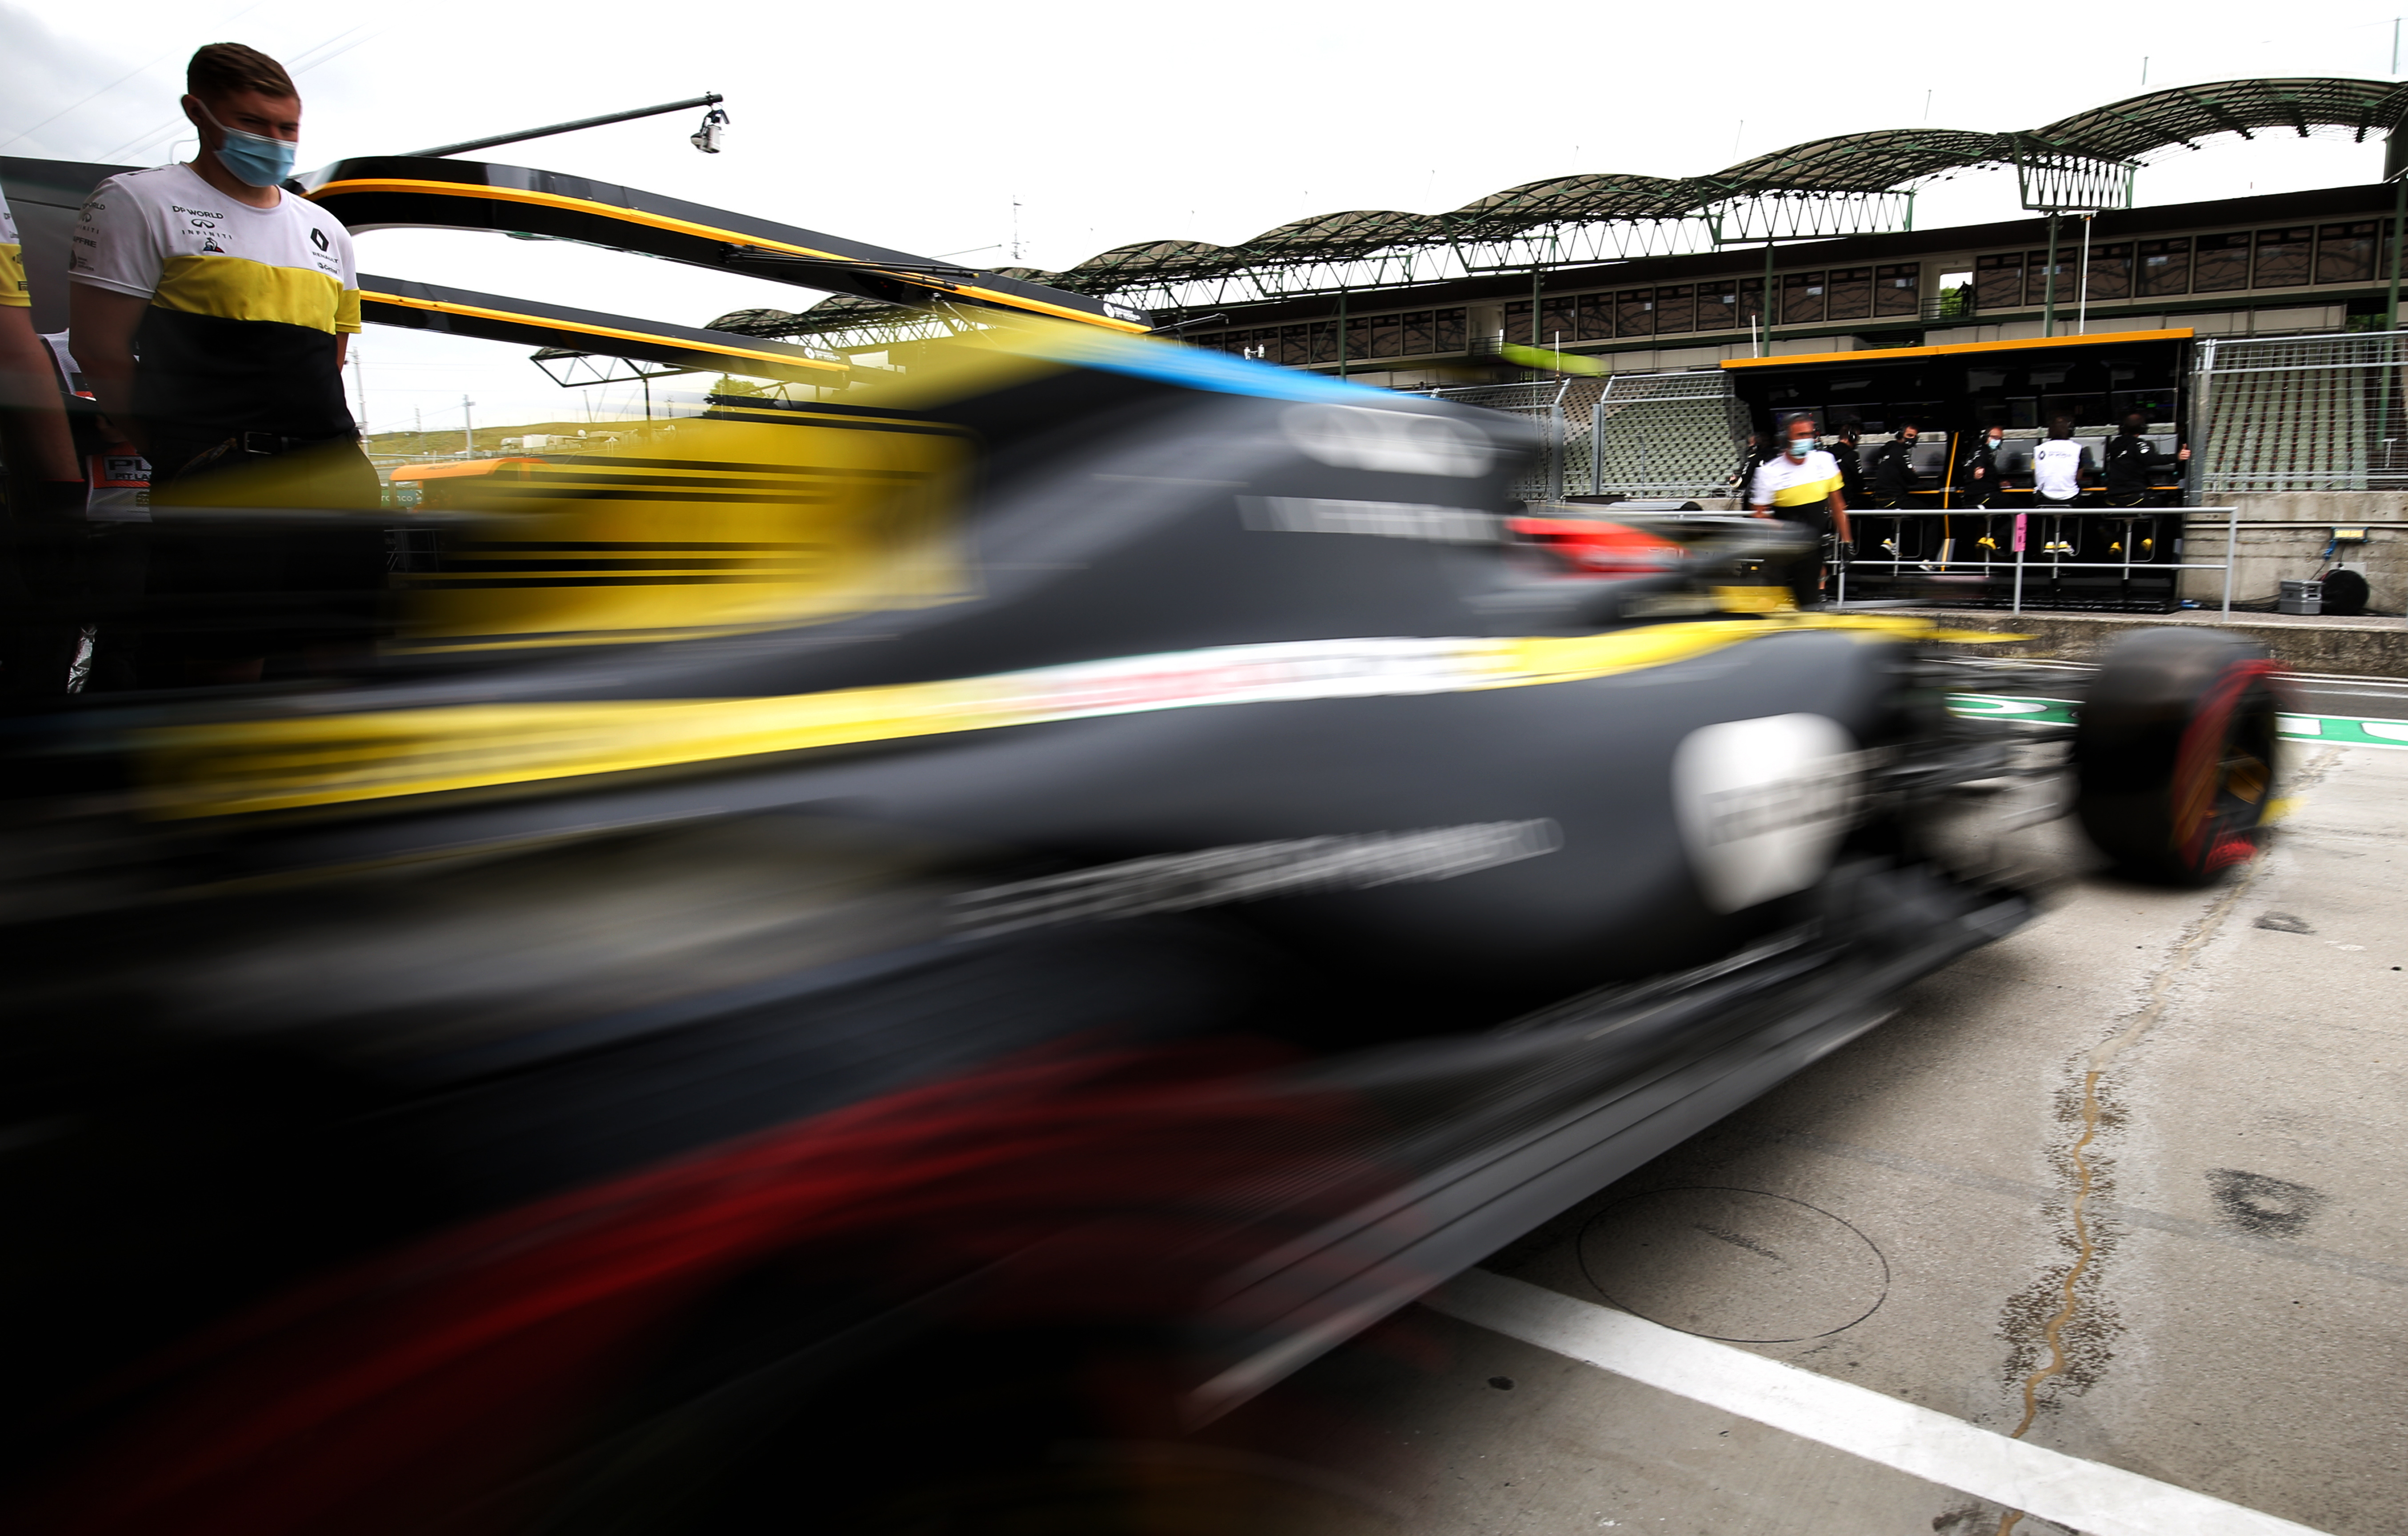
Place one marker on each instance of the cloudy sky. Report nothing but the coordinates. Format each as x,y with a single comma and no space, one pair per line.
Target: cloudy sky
947,128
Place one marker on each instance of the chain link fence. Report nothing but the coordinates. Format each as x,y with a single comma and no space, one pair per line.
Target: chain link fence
2302,413
1671,435
1564,408
1636,435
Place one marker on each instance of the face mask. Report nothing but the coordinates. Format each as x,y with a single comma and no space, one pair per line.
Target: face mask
1801,447
255,160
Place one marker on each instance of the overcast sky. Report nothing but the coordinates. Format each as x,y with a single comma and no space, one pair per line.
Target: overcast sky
921,127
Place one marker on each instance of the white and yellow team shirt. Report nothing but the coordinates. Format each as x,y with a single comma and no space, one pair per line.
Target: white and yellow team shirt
246,303
2058,465
1784,484
12,261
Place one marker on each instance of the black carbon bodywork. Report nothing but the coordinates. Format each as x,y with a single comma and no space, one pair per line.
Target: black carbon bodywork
448,1005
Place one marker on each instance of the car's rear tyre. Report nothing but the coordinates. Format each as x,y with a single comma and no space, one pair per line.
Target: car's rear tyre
2176,752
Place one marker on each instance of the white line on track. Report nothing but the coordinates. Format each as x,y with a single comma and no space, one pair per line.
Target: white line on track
2088,1496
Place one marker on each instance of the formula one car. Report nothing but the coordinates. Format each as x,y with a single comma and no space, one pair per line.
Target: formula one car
884,962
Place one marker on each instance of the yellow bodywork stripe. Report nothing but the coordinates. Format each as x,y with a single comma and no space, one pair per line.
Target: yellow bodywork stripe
237,288
284,763
582,328
707,232
575,205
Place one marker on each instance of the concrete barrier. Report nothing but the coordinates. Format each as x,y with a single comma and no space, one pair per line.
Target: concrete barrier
2346,647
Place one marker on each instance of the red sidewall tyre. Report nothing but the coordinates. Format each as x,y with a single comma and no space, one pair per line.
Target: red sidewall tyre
2177,756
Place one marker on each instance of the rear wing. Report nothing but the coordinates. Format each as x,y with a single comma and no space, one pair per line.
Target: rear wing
491,317
417,192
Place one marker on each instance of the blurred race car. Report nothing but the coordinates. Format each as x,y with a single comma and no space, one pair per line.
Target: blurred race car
884,962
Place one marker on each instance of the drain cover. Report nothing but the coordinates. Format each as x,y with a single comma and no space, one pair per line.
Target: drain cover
1734,1264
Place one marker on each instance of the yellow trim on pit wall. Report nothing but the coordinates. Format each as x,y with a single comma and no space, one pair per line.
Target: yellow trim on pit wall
292,762
445,306
1886,354
707,232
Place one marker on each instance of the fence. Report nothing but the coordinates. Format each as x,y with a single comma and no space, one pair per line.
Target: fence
1666,435
1563,409
1991,568
2302,413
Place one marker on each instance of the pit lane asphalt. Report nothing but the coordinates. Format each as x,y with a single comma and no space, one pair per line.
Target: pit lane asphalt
2230,1317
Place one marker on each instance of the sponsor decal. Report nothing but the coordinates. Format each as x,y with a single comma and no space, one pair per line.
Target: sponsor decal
119,486
1378,519
285,762
1762,804
318,238
1401,442
1257,871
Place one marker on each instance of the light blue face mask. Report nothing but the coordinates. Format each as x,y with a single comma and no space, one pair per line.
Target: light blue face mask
255,160
1801,447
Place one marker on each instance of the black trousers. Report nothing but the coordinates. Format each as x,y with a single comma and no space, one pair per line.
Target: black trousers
220,586
1806,576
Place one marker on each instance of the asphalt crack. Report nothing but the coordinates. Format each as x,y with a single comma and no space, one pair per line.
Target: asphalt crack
2079,1324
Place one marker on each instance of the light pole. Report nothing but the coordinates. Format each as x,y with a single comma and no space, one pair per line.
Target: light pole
2082,283
2048,281
708,98
467,428
2399,229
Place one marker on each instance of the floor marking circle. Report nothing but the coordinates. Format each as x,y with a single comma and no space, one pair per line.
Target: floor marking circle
1738,1265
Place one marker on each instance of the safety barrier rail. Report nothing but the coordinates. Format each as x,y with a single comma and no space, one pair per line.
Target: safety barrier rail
1990,565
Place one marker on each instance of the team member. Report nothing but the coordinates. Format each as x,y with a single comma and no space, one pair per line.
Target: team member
2060,465
41,453
1751,457
1977,472
2061,468
238,297
2133,463
45,492
238,300
1849,451
1895,481
1801,485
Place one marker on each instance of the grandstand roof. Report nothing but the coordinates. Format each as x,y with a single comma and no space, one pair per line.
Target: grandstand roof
1885,159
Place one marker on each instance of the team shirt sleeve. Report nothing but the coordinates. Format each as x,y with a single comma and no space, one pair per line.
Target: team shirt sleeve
13,291
117,243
